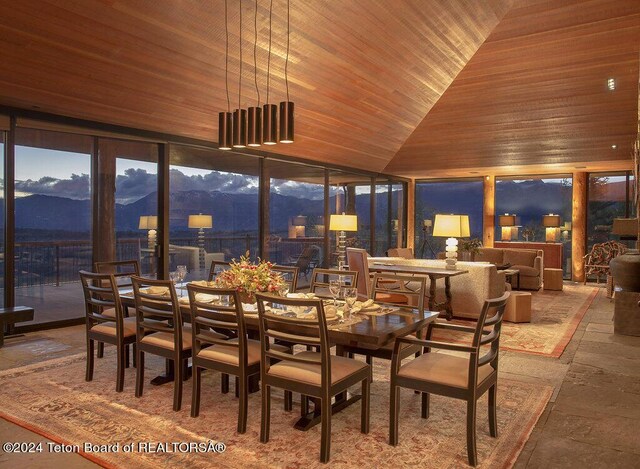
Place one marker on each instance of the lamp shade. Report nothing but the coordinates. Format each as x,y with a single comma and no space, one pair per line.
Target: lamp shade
551,221
300,220
567,226
148,222
200,221
625,226
507,220
451,226
343,223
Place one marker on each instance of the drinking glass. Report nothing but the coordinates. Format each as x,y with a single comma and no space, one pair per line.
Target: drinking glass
334,289
182,273
350,297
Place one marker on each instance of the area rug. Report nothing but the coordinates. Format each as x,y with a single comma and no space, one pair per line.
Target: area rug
555,316
51,398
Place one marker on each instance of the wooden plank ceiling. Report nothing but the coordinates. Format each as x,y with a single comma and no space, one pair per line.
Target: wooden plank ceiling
362,74
534,97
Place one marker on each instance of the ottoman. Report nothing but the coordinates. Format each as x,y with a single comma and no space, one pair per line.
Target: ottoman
552,279
518,307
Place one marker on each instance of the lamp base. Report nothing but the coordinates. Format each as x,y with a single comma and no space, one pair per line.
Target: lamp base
452,253
451,264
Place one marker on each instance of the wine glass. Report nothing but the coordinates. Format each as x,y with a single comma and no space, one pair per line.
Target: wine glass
334,290
350,297
182,273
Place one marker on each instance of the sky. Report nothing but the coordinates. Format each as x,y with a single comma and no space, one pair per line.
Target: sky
66,174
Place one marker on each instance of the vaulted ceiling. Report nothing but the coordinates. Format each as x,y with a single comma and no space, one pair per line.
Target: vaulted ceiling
534,97
413,87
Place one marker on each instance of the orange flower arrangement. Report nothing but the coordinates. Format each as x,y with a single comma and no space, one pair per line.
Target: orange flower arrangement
248,278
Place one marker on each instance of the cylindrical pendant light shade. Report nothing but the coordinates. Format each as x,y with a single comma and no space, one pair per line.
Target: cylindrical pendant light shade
286,122
255,127
270,124
240,128
224,130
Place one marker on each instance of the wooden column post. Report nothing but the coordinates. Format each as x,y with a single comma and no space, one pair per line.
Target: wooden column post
411,214
104,201
579,225
489,211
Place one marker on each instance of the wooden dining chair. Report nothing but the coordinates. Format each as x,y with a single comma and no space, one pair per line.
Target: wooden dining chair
100,293
321,278
357,260
230,352
465,378
315,374
217,267
290,275
160,331
122,271
398,285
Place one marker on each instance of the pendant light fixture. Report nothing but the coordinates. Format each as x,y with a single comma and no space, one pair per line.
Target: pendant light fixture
270,111
286,107
255,112
224,118
240,115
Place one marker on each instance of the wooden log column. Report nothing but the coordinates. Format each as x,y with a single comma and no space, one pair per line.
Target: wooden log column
489,211
411,214
579,225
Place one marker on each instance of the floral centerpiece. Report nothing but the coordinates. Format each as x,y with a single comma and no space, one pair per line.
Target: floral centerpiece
248,278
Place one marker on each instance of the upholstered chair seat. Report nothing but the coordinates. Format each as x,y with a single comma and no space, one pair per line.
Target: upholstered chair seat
129,327
166,339
442,368
341,367
230,354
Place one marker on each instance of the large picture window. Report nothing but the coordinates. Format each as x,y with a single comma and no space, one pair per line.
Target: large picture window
52,221
463,197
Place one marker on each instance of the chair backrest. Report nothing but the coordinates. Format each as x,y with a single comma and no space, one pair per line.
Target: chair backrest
491,318
217,267
101,292
602,253
121,270
321,278
357,260
308,331
405,253
289,274
412,287
157,308
309,255
226,318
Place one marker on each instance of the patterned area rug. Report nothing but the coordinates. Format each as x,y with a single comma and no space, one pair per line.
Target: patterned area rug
555,316
52,399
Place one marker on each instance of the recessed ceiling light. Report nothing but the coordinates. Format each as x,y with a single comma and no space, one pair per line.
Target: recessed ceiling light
473,172
614,146
611,84
581,167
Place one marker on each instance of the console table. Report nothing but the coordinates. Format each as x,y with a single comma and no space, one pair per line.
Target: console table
552,251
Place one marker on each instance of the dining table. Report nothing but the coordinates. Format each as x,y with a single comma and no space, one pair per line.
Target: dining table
386,265
363,330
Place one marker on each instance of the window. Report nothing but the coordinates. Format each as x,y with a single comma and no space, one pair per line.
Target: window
136,198
610,196
220,185
350,193
530,199
53,221
2,209
296,216
463,197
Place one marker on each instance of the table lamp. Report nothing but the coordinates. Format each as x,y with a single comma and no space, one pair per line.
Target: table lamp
149,222
451,227
552,224
626,228
426,229
507,222
341,224
200,222
299,224
565,230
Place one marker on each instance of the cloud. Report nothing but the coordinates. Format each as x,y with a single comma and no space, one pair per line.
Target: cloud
137,183
76,187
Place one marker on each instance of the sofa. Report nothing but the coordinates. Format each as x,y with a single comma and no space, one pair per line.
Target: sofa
527,261
469,291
